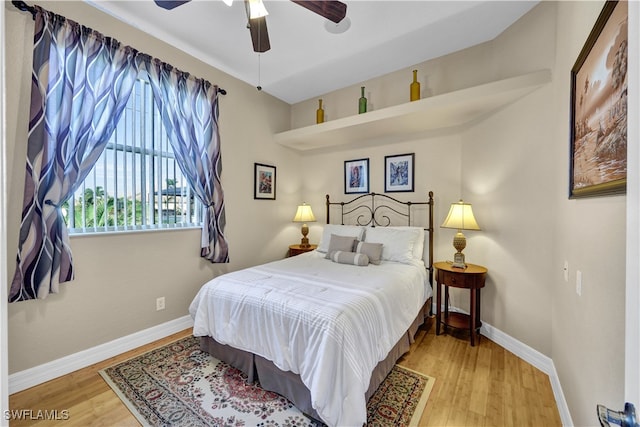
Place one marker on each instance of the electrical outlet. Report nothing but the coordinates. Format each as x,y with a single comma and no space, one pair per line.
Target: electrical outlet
159,303
579,283
566,271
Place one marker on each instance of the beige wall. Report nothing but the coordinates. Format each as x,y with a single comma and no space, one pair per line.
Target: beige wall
489,165
588,331
513,167
437,169
119,277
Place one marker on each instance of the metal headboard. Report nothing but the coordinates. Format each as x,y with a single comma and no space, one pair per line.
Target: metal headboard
373,209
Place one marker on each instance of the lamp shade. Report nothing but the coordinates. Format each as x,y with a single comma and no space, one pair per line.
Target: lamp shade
460,217
304,214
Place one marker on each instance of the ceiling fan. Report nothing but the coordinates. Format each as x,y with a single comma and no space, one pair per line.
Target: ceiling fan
332,10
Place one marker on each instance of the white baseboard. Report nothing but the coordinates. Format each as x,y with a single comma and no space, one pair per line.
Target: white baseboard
39,374
531,356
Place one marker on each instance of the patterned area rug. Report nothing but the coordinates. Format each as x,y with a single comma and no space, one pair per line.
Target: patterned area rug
180,385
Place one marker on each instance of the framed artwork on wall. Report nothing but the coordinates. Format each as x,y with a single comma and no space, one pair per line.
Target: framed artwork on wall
356,176
398,173
598,163
264,181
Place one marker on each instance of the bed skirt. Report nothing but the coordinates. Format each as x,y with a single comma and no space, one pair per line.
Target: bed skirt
288,384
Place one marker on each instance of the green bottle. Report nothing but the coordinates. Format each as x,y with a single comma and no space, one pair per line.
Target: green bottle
362,102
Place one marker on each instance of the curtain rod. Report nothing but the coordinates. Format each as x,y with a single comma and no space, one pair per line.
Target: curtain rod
24,7
32,10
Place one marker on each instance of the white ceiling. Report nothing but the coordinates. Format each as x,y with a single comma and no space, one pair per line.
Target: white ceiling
305,59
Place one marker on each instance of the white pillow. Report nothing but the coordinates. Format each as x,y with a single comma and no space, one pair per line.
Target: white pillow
398,243
418,245
339,230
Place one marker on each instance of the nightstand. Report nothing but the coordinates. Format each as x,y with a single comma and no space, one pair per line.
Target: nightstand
471,278
297,249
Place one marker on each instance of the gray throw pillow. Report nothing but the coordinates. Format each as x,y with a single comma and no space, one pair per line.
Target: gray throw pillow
340,243
348,258
372,250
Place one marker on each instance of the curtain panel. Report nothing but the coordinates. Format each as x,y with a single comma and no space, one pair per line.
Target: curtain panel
81,81
189,111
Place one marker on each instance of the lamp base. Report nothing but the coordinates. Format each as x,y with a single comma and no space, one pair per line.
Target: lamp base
304,242
458,260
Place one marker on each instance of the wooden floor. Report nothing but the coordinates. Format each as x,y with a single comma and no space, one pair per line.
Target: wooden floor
483,385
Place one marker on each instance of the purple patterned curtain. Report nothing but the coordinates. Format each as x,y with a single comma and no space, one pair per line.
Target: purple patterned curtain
81,82
189,109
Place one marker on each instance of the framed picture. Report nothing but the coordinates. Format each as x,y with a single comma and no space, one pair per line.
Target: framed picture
356,176
598,164
398,173
264,181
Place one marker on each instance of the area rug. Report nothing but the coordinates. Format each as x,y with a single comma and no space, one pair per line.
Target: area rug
180,385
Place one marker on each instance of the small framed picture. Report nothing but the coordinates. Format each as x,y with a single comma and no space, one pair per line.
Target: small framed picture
398,173
264,181
356,176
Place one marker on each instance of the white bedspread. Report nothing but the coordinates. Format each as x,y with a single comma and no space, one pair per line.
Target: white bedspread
330,323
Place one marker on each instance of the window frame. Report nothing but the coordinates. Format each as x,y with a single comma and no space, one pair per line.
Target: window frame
145,166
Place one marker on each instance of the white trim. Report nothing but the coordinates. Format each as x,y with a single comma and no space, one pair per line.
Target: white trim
632,296
39,374
529,355
4,294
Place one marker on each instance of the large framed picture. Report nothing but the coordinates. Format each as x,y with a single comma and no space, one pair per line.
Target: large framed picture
264,181
398,173
356,176
598,164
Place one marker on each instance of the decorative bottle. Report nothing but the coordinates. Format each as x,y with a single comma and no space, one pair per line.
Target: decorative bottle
362,102
319,112
414,87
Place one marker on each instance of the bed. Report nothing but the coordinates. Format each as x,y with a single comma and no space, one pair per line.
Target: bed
325,328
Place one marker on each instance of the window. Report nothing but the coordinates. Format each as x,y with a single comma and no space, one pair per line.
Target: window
136,183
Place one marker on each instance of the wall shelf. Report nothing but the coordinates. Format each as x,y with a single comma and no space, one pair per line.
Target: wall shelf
440,112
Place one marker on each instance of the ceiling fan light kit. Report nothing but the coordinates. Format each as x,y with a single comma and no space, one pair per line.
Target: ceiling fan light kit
257,9
333,10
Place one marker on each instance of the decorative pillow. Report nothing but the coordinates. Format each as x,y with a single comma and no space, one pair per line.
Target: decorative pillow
353,258
397,243
372,250
341,243
339,230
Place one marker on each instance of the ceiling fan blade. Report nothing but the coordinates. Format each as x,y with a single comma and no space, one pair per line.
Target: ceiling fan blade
333,10
258,29
259,34
170,4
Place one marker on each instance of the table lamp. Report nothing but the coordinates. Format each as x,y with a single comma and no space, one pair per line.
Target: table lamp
304,214
461,218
